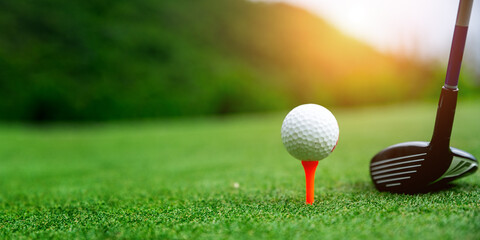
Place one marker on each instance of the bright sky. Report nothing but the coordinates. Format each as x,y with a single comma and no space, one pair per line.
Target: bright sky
422,28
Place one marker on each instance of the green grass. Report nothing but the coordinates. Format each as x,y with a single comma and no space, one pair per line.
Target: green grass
175,179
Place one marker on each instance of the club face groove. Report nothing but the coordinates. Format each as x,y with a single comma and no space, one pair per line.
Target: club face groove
397,158
412,167
397,163
397,167
392,174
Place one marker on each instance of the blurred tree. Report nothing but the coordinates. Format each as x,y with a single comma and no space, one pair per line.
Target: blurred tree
101,60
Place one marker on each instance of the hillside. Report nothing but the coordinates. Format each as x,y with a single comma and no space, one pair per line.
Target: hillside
88,60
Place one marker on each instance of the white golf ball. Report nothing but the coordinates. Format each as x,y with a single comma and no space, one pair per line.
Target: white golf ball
310,132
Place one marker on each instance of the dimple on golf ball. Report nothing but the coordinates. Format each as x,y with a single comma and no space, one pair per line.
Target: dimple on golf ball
310,132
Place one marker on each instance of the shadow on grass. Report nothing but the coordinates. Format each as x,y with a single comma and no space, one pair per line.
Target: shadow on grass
452,187
365,187
441,188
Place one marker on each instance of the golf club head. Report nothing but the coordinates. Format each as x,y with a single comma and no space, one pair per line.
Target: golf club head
412,167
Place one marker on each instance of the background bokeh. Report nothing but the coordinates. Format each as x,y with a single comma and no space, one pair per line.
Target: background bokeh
109,60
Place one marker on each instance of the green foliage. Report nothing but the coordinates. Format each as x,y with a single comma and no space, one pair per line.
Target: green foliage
100,60
175,180
81,60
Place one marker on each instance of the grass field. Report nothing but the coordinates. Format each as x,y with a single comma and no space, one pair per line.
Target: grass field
175,179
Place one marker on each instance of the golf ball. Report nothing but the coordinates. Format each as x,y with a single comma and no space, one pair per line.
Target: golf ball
310,132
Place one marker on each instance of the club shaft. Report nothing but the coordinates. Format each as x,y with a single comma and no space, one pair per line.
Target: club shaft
444,120
448,97
458,44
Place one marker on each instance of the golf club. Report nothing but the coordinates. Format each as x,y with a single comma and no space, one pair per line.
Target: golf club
412,167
